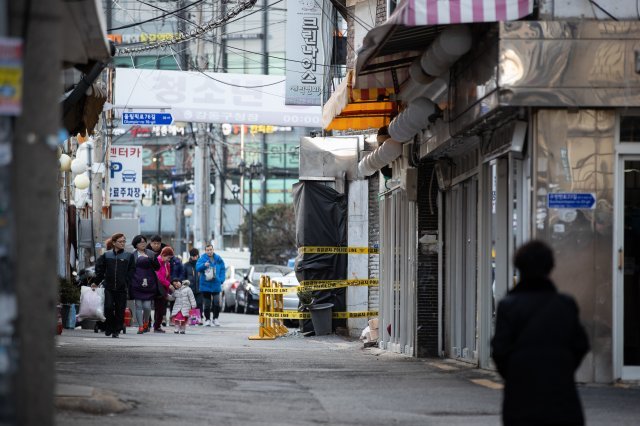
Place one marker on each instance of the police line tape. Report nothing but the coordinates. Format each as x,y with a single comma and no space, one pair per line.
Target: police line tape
307,315
307,285
338,250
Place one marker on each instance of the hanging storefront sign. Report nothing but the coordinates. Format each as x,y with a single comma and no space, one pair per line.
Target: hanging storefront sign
305,52
10,76
210,97
125,172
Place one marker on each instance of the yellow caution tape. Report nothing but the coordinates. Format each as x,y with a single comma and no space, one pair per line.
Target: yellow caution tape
307,315
321,285
286,315
279,290
328,284
363,314
338,250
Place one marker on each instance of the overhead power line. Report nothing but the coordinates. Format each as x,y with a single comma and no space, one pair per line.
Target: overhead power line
135,24
182,37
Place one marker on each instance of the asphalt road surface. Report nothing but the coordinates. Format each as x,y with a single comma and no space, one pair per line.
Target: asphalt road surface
216,376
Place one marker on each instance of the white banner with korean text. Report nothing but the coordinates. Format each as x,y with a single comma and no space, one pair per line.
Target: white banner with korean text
210,98
125,172
305,41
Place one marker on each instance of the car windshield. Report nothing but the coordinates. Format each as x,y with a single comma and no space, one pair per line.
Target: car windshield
272,274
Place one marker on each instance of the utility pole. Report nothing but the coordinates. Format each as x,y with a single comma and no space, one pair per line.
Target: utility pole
96,172
178,203
265,71
202,197
202,171
218,198
34,196
178,197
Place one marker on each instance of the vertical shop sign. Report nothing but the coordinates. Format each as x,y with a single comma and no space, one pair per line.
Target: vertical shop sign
305,53
125,173
10,76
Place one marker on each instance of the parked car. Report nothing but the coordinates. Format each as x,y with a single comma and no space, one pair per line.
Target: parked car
229,287
248,292
291,300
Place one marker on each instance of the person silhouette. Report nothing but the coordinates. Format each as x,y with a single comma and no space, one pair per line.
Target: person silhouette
538,345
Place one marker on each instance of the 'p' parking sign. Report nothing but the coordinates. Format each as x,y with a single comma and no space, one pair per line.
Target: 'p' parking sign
125,172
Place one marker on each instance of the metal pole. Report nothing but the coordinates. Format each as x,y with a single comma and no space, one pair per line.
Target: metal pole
178,202
240,238
158,195
186,234
251,213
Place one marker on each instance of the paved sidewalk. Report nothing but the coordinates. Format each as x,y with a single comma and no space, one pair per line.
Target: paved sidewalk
217,376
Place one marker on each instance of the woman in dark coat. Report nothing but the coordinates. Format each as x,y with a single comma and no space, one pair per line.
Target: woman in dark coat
538,345
144,285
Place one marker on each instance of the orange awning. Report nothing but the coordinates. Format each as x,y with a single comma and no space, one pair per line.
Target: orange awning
357,109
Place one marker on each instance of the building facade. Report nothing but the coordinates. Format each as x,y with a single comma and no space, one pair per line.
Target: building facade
515,125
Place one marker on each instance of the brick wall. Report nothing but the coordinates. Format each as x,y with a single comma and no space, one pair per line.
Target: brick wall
374,240
427,288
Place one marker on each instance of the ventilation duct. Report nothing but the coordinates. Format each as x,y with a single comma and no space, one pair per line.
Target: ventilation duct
383,155
429,72
428,77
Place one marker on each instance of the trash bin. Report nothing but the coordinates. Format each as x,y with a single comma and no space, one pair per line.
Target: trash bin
321,316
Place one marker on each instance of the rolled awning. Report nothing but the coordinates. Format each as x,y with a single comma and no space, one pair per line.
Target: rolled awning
357,109
390,47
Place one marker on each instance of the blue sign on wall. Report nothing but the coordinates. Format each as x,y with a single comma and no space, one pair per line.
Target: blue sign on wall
155,118
571,200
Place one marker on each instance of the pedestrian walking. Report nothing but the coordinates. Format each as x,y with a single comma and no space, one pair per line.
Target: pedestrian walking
156,244
212,273
164,284
193,276
115,269
538,345
144,285
184,301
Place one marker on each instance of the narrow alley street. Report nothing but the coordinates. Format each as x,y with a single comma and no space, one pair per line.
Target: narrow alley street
217,376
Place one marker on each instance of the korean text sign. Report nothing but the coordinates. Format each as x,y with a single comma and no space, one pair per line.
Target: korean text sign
305,52
125,172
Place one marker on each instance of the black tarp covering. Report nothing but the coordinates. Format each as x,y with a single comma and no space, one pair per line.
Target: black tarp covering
321,221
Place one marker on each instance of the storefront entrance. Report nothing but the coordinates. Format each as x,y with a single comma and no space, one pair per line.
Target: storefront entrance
461,289
628,268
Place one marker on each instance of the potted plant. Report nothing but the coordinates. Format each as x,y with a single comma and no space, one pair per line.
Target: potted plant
69,295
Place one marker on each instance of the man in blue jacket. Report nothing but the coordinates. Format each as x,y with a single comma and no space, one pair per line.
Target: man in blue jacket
212,273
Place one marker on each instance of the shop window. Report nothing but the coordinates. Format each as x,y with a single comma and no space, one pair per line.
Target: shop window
630,128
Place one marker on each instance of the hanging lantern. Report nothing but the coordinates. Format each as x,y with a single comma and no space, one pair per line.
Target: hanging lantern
78,166
65,163
81,181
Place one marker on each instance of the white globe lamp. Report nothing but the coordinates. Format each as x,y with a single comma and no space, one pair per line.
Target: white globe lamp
78,166
188,212
65,163
81,181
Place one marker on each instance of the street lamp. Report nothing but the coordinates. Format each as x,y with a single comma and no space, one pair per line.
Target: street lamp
253,169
